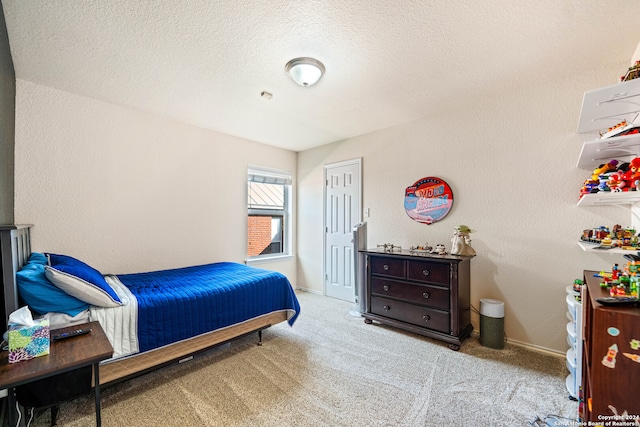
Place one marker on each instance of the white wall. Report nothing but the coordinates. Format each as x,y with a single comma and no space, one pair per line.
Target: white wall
510,160
128,191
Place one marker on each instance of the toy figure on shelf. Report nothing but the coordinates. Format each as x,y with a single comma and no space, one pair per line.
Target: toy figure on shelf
622,128
615,182
632,73
634,173
604,168
461,242
602,182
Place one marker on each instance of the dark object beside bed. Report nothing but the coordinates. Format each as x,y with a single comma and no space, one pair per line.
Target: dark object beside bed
180,312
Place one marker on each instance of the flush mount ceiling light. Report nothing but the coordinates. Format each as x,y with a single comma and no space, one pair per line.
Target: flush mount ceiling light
305,71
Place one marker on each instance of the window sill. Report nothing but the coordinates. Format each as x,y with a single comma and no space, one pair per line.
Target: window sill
268,259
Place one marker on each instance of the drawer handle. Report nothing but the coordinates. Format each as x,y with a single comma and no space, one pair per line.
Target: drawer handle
385,287
426,317
425,295
425,272
386,308
385,267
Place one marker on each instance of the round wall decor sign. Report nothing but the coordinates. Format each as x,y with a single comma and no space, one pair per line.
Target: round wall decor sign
428,200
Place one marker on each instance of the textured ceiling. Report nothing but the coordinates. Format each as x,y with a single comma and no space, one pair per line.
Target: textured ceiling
206,62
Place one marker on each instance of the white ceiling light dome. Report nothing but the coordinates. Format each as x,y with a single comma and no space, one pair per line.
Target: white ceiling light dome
305,71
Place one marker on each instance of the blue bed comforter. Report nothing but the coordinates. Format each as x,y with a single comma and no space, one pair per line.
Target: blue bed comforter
177,304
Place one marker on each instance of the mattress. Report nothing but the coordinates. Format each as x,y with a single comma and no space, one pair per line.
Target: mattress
168,306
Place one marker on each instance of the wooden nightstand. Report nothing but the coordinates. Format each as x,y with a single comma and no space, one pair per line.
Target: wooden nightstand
65,355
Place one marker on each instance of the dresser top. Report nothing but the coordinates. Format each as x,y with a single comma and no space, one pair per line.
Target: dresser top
417,254
596,291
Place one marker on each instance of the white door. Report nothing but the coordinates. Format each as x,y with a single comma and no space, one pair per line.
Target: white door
342,212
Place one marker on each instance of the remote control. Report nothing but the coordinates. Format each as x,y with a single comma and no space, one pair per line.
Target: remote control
618,300
71,334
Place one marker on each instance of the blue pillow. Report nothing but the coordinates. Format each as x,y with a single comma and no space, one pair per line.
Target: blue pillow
81,281
38,258
42,296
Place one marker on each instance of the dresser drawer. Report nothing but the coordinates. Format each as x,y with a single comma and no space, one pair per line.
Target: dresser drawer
387,266
419,294
425,271
436,320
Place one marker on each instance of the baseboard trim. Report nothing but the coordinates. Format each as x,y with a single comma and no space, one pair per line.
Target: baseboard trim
529,346
311,291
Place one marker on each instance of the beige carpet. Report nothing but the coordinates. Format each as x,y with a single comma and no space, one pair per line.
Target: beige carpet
331,369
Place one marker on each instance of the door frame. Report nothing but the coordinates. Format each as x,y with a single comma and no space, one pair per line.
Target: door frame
357,161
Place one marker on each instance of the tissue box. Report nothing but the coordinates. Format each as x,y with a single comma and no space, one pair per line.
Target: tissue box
27,342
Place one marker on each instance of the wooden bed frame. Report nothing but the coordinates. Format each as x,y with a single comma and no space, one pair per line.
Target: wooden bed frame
15,249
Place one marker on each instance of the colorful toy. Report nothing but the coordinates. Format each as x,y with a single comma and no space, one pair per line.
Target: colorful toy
602,182
613,176
577,285
615,182
622,282
622,128
634,169
609,360
632,73
604,168
618,237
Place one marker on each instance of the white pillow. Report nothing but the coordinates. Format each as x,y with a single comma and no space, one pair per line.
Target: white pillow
79,288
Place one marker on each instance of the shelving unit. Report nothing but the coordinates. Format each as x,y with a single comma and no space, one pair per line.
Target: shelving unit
605,107
601,109
623,198
591,247
603,330
599,151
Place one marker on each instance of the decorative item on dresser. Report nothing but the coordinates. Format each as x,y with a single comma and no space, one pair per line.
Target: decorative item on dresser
419,292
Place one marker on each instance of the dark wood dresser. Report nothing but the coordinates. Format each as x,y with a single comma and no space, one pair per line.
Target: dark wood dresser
422,293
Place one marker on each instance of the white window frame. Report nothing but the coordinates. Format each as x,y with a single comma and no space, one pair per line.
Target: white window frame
272,176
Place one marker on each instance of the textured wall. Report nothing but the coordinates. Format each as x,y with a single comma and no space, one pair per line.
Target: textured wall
510,160
7,125
127,191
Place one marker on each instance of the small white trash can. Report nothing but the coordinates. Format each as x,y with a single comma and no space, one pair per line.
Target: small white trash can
491,323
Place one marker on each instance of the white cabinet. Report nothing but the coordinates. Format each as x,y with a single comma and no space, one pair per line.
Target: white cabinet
605,107
602,109
598,151
574,339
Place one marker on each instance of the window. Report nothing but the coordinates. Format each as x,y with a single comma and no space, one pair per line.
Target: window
268,210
